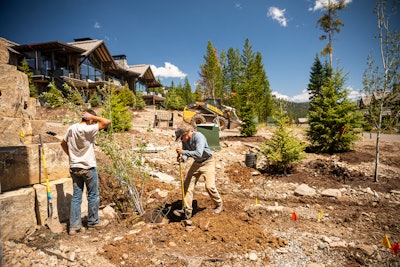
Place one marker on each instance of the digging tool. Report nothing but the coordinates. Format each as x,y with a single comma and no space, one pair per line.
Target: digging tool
53,223
183,188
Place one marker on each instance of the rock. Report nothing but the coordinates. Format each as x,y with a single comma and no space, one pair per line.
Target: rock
331,193
305,190
338,244
252,256
109,212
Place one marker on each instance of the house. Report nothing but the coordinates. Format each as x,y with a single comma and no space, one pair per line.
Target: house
391,103
85,63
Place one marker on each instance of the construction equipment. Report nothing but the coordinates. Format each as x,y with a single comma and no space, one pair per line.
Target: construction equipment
211,110
53,223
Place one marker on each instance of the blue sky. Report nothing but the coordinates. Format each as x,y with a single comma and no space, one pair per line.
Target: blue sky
172,35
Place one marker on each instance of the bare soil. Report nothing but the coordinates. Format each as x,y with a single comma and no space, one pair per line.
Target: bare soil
359,218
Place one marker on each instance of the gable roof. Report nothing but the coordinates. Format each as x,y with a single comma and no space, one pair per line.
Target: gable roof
145,74
97,47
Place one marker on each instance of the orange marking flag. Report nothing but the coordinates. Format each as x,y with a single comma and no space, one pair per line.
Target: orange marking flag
294,216
386,242
395,248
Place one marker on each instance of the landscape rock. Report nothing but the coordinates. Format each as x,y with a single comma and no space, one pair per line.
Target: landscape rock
305,190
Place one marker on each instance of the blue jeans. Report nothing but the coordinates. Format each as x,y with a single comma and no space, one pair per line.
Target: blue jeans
90,178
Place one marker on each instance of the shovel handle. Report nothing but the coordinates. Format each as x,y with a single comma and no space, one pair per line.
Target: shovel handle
49,199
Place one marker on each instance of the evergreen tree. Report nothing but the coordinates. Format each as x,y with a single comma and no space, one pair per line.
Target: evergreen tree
317,79
211,74
139,104
174,101
334,120
94,100
330,24
53,97
261,94
115,110
245,96
283,148
187,92
127,97
231,73
25,69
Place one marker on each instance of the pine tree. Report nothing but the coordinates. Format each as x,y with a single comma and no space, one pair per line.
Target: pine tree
115,110
231,70
330,24
211,73
187,92
283,148
317,79
333,118
174,101
25,69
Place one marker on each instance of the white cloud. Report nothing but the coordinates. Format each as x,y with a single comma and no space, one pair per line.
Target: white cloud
303,97
168,71
353,94
278,15
321,4
280,96
238,6
97,25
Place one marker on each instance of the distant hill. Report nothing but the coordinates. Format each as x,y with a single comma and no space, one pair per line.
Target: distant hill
295,110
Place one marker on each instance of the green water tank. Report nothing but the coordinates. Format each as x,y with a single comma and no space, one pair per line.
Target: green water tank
211,132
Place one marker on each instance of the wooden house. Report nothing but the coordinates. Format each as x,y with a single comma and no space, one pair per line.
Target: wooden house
84,63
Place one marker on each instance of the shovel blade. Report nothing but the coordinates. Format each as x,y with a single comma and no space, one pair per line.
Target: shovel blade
54,225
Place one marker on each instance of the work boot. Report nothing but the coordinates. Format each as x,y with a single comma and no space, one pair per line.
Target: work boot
218,209
179,212
182,212
100,225
75,231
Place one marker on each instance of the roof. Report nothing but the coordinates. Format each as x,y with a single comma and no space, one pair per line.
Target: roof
58,46
146,75
99,48
366,100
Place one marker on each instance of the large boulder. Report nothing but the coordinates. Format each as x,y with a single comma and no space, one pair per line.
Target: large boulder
18,217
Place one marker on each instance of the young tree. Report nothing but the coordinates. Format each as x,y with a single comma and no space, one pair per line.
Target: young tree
25,69
174,101
382,79
211,73
115,110
334,119
330,24
283,148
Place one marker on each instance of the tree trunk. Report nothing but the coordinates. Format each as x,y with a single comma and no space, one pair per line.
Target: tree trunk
378,135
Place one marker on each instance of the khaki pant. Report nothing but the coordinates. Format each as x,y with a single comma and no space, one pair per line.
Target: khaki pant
196,171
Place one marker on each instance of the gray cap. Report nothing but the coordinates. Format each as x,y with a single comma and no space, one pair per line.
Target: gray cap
179,132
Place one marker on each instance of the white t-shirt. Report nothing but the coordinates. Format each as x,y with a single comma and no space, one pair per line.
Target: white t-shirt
80,140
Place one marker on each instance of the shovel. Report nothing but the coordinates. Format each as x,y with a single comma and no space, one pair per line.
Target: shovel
53,223
183,188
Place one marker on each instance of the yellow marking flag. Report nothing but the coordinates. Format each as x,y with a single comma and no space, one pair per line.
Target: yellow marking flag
320,215
386,242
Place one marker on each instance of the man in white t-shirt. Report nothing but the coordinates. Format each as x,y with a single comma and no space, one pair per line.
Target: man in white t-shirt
78,144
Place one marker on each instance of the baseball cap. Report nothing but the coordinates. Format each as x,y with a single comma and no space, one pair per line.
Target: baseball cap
179,132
